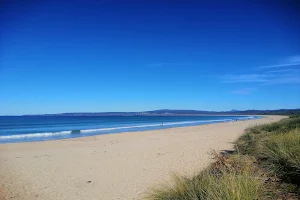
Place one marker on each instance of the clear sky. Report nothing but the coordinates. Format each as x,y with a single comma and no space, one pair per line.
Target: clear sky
93,56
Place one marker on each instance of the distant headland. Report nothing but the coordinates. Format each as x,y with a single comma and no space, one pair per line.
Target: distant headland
171,112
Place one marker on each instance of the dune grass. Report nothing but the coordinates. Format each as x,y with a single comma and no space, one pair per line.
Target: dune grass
231,177
229,185
265,165
283,154
276,146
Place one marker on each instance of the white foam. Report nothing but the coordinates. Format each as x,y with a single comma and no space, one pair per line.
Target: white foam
150,125
34,135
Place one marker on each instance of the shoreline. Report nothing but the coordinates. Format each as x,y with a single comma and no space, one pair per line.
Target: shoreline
112,166
67,134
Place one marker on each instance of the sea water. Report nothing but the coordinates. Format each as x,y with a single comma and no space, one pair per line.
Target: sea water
39,128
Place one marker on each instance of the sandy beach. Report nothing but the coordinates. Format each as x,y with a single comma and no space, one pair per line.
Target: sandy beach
114,166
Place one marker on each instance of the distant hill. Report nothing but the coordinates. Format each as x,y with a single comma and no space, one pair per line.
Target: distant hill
169,112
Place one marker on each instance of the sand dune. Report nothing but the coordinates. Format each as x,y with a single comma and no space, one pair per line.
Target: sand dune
115,166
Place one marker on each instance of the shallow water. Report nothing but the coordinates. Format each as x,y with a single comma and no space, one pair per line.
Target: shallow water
39,128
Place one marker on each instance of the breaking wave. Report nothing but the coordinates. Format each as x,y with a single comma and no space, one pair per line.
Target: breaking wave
113,129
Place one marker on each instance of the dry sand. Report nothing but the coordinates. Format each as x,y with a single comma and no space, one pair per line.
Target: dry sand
116,166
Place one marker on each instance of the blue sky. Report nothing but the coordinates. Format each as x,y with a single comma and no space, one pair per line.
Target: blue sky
93,56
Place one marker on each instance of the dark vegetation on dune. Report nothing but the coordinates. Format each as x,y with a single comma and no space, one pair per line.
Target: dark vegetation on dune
264,165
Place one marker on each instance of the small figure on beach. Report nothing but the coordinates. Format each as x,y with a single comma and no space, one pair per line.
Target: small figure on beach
162,123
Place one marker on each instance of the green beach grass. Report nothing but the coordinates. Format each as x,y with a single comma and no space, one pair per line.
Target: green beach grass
229,178
264,165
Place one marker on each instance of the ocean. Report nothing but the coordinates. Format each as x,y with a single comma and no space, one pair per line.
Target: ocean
40,128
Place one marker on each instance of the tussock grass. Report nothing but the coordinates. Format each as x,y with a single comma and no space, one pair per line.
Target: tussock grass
209,186
232,178
276,147
283,154
282,126
254,139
